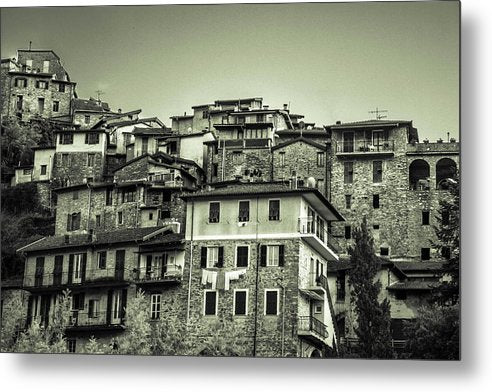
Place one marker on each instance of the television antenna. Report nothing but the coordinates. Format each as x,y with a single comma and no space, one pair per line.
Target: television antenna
378,112
99,93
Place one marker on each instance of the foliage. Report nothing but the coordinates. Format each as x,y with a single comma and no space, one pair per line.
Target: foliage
13,317
448,237
50,338
435,333
17,141
373,318
136,340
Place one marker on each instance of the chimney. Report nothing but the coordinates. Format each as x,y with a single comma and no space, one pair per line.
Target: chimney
67,238
286,106
452,140
119,110
265,107
439,140
338,122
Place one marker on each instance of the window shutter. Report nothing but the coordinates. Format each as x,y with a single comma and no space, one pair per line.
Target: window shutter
124,294
220,262
263,255
203,259
91,308
70,268
281,255
110,304
83,266
69,222
86,138
81,301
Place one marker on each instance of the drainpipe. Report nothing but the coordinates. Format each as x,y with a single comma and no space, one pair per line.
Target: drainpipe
257,280
191,263
223,160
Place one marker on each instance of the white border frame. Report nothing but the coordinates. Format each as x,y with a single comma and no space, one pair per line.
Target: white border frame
265,302
234,303
205,302
235,254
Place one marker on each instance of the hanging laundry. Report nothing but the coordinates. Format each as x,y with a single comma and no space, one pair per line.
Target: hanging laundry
221,280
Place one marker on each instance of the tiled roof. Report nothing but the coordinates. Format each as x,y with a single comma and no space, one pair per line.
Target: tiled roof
333,266
419,265
89,104
104,238
369,123
300,139
164,131
413,285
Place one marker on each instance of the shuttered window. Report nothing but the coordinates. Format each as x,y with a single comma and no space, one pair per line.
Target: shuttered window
243,211
271,302
274,210
210,306
240,302
242,256
155,306
214,212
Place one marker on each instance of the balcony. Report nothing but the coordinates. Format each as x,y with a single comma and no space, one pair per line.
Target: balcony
245,143
318,237
167,180
365,147
168,274
88,278
313,330
80,321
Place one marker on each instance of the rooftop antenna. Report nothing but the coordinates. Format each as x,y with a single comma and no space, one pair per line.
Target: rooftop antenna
99,93
378,112
30,43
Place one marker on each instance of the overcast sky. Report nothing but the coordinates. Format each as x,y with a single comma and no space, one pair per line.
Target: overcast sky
329,61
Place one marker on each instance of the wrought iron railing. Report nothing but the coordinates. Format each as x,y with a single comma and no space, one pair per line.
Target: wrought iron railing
81,276
95,318
309,225
161,273
362,146
309,323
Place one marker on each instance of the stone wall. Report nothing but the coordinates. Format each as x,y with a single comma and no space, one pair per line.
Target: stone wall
78,170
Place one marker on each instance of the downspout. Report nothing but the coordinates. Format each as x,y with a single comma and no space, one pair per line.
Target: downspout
191,263
89,207
283,320
257,280
223,160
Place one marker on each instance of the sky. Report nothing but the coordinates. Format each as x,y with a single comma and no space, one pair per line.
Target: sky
329,61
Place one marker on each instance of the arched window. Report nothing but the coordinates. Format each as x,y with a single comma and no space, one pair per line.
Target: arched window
419,173
445,169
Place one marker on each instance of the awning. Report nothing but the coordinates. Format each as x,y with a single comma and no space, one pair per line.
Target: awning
312,294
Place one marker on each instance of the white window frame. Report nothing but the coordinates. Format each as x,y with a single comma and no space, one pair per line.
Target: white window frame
99,259
234,302
238,209
268,255
265,302
316,310
235,254
281,158
279,210
155,302
205,302
212,262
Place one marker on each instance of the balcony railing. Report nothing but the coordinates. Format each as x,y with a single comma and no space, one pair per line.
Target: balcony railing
96,318
56,279
311,324
168,272
309,225
245,143
365,146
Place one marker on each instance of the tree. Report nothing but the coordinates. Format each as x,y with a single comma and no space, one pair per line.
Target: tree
13,318
137,337
448,242
435,333
225,340
48,338
373,318
17,142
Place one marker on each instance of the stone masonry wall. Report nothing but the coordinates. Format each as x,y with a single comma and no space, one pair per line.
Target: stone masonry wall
78,170
254,164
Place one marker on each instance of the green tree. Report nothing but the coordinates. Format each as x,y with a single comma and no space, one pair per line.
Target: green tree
13,319
373,318
17,142
137,337
448,242
435,333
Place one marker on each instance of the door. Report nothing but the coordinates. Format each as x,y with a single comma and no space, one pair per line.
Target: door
148,267
38,276
378,140
348,142
119,269
58,270
77,269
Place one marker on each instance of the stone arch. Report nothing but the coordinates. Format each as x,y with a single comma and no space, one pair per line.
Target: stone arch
418,174
445,169
315,354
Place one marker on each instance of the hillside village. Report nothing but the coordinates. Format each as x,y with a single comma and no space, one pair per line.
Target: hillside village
236,209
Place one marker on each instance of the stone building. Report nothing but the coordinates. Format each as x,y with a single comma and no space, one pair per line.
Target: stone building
102,271
258,255
35,84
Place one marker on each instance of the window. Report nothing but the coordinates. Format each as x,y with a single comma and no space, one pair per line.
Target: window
348,232
40,105
446,252
155,306
98,220
281,157
73,221
120,217
348,172
271,302
318,309
65,160
320,184
243,211
425,218
56,106
43,169
242,256
425,253
19,102
145,144
89,180
260,118
26,172
92,138
93,308
348,202
101,259
240,304
210,303
128,195
215,169
151,216
66,138
75,195
205,114
214,212
78,300
401,295
274,210
43,84
109,196
165,214
172,147
61,87
212,256
29,63
320,159
375,201
71,345
377,171
90,159
46,66
273,256
225,120
340,283
240,119
445,217
384,251
20,82
375,227
87,119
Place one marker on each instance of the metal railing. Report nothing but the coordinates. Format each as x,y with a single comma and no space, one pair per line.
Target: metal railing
245,143
76,277
309,323
397,344
362,146
96,318
168,272
309,225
